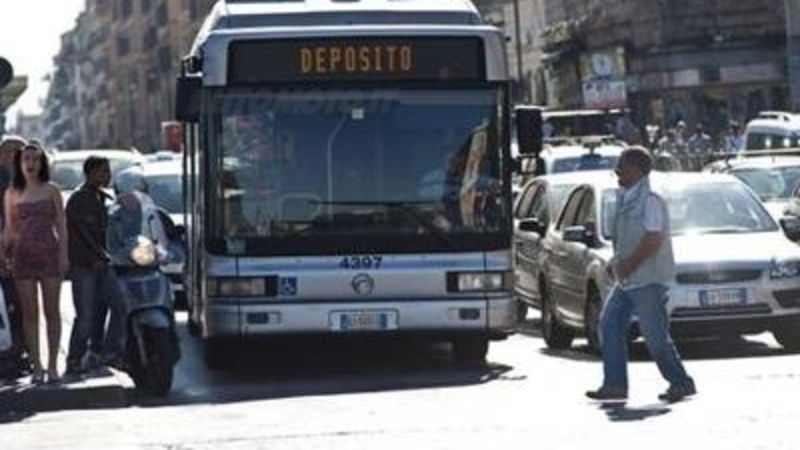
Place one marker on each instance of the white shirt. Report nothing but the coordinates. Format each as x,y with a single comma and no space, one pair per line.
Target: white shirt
653,211
653,222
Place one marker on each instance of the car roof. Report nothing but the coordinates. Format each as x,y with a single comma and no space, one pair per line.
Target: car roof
761,162
169,167
72,155
573,151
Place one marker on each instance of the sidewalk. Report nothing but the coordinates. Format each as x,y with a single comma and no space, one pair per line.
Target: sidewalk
104,389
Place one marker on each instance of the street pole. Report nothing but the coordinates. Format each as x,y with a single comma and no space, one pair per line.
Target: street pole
518,39
793,51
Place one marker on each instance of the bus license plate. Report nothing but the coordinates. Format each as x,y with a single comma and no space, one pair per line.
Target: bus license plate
723,297
346,321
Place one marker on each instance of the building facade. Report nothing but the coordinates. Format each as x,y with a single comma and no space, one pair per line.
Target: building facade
692,60
114,79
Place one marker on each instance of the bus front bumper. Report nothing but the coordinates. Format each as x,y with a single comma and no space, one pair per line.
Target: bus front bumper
493,317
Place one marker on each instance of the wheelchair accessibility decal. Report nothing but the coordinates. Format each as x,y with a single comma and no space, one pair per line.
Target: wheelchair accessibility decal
288,286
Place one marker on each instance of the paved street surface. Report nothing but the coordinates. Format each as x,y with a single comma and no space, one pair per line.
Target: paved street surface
316,395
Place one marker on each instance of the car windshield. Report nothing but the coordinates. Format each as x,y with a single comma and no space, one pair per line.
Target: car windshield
584,162
388,162
167,192
68,173
704,208
770,183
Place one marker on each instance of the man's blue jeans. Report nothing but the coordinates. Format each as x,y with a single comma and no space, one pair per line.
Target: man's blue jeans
93,293
649,304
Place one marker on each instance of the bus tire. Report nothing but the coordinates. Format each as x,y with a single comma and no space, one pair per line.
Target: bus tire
471,349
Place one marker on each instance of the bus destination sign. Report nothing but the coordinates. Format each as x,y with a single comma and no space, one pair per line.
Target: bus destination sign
357,59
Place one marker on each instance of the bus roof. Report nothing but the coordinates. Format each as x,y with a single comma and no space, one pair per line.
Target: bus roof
233,14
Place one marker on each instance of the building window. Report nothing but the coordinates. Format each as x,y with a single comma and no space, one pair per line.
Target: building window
162,16
123,45
126,8
150,38
165,58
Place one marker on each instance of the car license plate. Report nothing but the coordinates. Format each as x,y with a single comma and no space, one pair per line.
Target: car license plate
346,321
723,297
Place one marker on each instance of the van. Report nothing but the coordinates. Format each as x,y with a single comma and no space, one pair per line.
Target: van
773,130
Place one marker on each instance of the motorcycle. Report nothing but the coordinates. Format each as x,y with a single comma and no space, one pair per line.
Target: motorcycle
139,246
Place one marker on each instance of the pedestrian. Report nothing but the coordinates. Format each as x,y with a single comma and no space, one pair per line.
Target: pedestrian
35,246
700,146
642,267
733,140
17,363
90,272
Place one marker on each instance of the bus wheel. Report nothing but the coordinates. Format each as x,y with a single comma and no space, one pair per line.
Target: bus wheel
471,349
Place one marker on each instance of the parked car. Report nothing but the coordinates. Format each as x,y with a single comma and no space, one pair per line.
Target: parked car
535,210
736,271
773,178
66,166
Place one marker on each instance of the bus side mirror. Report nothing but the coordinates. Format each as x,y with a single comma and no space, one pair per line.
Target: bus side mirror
187,98
529,130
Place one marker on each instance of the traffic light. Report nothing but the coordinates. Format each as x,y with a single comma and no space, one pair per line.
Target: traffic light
6,72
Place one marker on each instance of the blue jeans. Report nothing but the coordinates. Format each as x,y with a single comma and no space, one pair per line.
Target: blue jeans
649,304
94,294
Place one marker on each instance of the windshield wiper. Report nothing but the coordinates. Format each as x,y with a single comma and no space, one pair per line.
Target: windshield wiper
720,230
411,207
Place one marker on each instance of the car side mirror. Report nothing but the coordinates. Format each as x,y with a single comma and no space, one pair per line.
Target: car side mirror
791,227
188,89
533,226
583,234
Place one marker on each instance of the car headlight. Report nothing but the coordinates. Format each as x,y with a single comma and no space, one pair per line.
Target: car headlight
478,281
784,269
144,252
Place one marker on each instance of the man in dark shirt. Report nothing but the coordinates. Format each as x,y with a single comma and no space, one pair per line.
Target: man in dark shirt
92,279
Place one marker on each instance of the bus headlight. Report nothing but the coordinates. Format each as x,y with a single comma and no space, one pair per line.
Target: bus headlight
478,281
236,287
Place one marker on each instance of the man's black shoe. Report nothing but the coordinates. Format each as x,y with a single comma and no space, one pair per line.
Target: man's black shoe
608,393
677,393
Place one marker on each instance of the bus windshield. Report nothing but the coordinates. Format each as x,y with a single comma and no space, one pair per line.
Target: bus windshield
383,167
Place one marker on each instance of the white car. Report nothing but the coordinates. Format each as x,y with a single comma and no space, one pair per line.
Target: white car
66,166
736,271
773,178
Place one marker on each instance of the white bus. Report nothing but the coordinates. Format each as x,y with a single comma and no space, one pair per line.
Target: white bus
348,173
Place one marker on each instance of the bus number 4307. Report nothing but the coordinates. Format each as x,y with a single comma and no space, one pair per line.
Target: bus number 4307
361,262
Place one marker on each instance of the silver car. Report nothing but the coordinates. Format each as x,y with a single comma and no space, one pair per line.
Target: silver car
535,209
736,271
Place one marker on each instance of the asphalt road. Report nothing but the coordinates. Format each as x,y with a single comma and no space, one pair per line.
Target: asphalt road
345,395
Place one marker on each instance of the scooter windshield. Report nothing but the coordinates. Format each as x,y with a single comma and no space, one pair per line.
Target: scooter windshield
133,221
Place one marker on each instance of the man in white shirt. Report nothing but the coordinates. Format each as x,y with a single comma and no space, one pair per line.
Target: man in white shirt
643,266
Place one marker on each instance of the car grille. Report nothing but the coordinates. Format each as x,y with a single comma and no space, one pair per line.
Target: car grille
788,298
718,276
737,310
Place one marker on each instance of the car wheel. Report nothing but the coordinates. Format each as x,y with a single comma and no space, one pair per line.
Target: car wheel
556,336
471,349
592,320
522,311
788,336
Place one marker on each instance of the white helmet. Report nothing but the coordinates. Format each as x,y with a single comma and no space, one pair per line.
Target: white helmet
130,180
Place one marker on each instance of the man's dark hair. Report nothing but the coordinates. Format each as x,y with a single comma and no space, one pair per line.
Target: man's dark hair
92,163
639,157
44,171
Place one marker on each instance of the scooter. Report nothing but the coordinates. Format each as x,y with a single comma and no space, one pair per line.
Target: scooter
138,246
